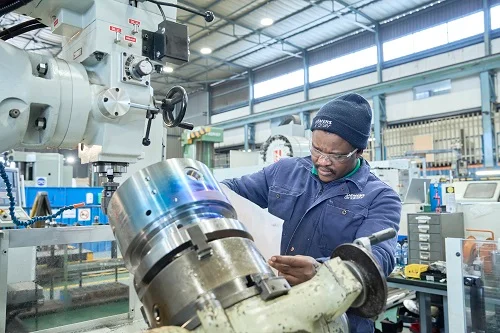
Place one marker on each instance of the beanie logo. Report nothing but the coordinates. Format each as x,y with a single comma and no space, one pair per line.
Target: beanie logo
322,123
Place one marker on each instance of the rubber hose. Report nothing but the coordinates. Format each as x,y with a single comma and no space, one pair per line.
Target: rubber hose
17,27
23,30
13,6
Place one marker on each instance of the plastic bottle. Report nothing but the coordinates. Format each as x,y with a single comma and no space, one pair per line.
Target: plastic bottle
399,253
404,255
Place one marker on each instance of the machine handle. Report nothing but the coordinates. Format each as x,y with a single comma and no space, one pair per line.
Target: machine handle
381,236
176,95
187,126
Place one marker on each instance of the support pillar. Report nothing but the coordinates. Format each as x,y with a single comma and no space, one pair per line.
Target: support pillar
250,91
249,140
379,123
380,53
305,57
487,28
209,104
488,98
305,119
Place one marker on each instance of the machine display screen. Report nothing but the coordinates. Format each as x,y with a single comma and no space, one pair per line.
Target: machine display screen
480,190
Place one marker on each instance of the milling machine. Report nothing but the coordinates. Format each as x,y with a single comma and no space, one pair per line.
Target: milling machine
194,264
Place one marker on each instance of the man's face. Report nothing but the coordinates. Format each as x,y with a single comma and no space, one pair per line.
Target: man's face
330,169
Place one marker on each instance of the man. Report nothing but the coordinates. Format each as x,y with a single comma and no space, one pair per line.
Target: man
328,198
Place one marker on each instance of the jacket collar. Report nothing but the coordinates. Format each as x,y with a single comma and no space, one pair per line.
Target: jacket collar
359,178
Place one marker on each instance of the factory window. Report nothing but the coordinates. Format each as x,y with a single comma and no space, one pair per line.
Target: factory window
474,24
279,84
439,35
432,89
345,64
495,17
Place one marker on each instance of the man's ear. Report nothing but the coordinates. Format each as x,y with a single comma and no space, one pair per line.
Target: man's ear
360,152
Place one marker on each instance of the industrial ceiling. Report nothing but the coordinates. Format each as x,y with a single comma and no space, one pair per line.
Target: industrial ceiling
238,40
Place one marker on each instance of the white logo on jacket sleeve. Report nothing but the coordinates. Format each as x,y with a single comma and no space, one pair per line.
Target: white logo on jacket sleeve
354,196
322,123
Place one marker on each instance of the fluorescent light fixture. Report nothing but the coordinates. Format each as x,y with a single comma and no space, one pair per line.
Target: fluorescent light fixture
266,21
168,69
70,160
206,50
495,172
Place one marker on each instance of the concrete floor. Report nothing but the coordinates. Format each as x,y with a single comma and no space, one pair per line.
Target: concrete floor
135,327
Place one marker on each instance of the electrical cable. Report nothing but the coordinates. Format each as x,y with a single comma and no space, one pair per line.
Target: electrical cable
23,30
12,204
208,15
162,12
13,6
18,26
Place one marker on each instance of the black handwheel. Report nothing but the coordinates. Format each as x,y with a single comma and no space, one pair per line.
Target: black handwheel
174,96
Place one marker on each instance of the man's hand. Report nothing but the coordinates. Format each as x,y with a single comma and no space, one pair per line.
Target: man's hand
295,269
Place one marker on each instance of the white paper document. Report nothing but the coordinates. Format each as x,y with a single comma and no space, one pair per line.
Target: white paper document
264,227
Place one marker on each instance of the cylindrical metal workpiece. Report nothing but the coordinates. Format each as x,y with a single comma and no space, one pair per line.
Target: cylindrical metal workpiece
179,236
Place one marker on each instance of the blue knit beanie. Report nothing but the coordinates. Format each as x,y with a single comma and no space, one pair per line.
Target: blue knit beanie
349,116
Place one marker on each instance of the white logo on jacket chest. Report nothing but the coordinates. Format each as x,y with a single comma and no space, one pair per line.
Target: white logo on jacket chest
354,196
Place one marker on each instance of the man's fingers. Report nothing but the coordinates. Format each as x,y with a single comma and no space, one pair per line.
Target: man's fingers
294,261
280,267
292,280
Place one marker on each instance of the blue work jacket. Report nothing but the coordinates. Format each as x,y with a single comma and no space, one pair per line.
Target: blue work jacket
319,216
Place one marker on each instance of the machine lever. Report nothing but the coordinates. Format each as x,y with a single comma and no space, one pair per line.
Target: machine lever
381,236
375,238
187,126
146,141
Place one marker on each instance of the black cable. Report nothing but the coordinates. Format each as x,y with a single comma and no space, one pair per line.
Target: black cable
162,12
23,30
13,6
208,15
18,26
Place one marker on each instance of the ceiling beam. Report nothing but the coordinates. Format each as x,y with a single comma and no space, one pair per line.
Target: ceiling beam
234,22
243,77
359,24
233,35
332,16
357,11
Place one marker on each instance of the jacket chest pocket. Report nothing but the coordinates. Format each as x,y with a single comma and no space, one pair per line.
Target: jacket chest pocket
339,225
281,202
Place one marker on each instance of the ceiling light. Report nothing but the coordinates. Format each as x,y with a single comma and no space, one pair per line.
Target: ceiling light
488,172
206,50
168,69
70,160
266,21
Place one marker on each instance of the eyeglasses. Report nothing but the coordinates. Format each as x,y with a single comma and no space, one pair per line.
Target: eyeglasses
334,158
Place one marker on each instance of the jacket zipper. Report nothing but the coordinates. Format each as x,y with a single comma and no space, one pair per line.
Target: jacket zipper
300,222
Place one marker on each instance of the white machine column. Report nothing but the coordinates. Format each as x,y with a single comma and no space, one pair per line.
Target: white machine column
44,102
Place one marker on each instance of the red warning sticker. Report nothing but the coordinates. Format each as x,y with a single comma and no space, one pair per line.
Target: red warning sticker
134,22
55,22
115,29
130,39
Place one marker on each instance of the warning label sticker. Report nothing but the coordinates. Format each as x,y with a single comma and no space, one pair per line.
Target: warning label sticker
115,29
134,22
130,39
